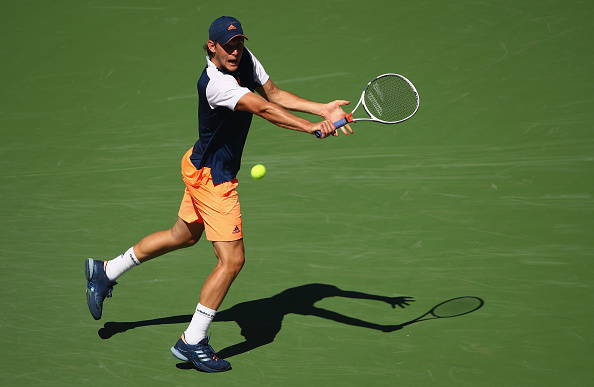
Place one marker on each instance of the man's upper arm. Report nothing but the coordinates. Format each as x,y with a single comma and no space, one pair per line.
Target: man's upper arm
252,102
269,91
223,91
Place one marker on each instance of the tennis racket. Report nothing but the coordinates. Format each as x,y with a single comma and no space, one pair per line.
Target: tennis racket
388,99
451,308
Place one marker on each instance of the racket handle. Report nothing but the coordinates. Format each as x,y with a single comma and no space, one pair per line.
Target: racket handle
338,124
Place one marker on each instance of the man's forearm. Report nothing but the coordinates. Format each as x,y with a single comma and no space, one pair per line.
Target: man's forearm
293,102
280,116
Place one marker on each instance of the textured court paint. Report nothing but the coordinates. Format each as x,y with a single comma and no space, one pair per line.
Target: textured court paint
486,192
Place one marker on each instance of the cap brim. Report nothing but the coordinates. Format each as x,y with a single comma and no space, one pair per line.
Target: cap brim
233,37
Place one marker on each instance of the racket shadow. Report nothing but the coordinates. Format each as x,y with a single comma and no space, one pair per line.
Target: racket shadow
261,320
454,307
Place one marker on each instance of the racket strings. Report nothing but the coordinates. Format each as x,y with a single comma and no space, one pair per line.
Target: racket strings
390,99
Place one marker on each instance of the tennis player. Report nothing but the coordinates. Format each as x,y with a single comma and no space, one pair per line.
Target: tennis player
227,102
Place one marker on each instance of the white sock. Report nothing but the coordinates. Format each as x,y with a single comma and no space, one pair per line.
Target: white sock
119,265
199,325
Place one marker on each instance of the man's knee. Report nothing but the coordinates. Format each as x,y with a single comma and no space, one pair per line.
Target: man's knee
180,241
238,262
230,254
190,241
233,262
186,234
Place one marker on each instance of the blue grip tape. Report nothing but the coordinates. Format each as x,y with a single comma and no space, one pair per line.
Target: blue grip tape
338,124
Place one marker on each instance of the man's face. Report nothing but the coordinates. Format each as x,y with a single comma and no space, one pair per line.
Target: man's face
227,56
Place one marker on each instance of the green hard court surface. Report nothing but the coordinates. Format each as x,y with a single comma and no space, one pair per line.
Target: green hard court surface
486,192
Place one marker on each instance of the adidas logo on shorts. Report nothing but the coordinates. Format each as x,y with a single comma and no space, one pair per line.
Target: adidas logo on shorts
236,230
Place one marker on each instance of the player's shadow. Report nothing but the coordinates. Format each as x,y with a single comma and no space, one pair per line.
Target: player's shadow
261,320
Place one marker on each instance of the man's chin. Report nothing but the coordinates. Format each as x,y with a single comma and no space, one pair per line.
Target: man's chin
232,66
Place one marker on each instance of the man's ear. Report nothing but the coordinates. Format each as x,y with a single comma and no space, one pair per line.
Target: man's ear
211,46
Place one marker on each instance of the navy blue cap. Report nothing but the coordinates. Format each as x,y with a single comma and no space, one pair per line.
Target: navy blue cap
224,29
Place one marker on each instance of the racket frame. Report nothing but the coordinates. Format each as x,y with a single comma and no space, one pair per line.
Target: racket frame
349,118
371,116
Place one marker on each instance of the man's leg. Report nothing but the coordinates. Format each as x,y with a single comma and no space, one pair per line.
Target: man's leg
101,276
230,257
181,235
193,345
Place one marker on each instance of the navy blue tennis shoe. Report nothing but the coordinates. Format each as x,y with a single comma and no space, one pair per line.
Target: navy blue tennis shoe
201,355
99,286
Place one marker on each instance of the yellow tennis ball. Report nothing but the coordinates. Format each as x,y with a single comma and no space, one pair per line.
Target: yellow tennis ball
258,171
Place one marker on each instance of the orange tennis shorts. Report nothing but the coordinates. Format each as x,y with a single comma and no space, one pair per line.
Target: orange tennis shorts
217,206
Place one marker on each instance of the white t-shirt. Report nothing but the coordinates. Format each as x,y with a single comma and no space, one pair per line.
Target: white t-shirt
223,90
